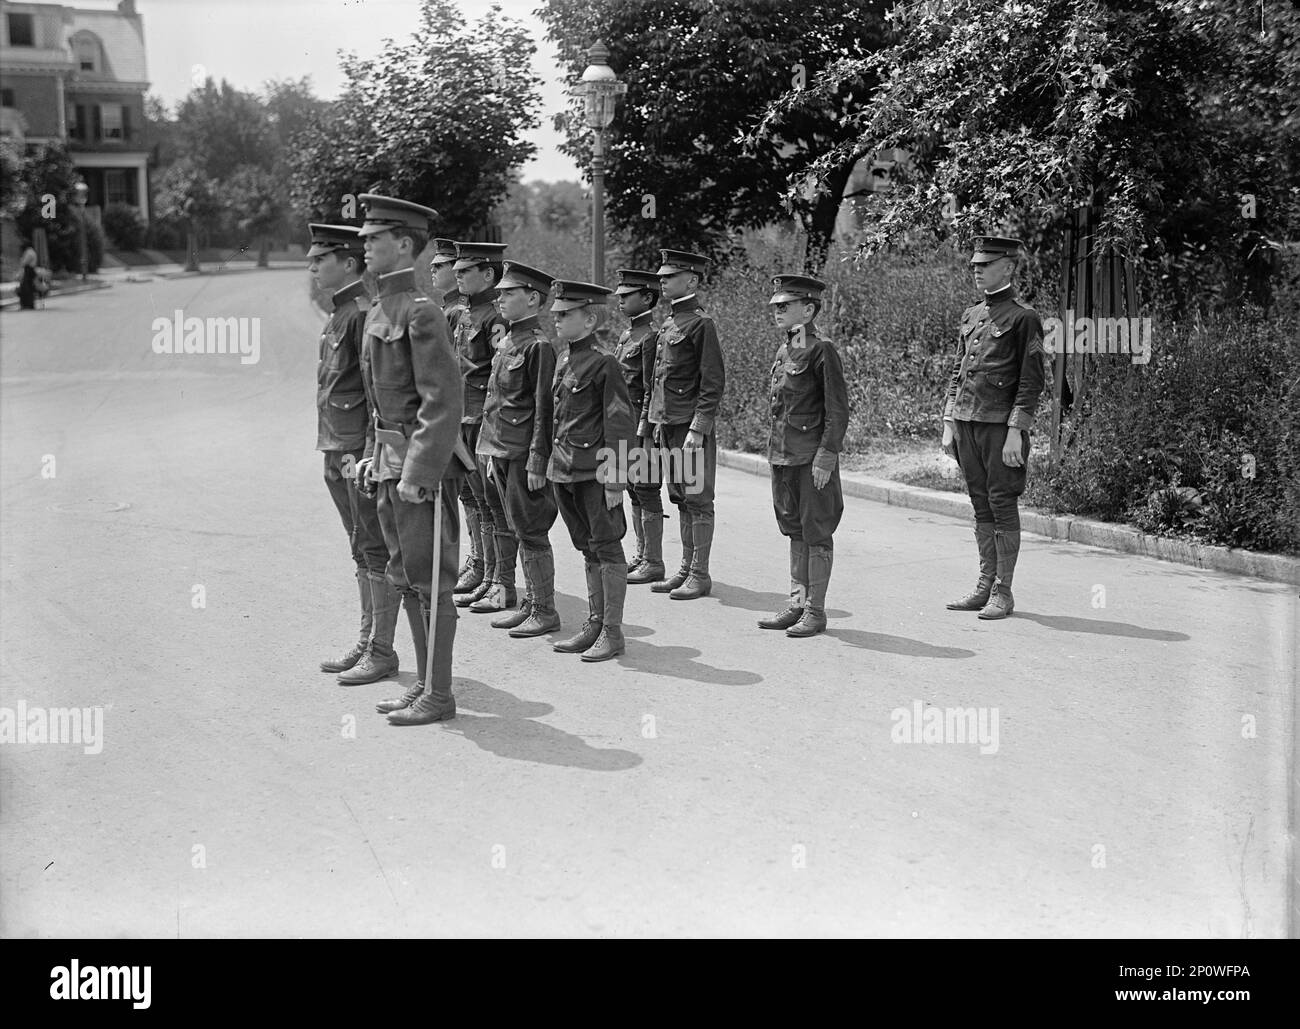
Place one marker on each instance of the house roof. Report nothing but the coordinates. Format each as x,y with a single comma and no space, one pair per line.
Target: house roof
122,39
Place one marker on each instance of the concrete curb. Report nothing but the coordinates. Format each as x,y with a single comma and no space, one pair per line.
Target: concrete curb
1108,535
8,299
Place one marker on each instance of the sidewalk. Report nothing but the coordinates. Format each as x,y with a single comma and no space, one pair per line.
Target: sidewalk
1075,529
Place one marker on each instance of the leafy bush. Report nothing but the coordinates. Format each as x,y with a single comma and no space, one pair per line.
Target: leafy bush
1203,441
165,235
124,227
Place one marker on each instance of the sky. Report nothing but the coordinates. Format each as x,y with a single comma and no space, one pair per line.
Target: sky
248,42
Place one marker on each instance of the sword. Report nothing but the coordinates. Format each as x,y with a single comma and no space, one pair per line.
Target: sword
431,634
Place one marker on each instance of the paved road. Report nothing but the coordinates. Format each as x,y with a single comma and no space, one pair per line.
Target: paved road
717,779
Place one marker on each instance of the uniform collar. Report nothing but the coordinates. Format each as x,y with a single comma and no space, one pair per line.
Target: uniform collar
452,296
485,297
642,318
690,302
586,341
809,330
1007,292
348,293
400,281
531,322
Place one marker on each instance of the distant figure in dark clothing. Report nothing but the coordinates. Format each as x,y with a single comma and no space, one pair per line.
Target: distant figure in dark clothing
27,281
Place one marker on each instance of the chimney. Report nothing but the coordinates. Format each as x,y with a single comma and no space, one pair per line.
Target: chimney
126,8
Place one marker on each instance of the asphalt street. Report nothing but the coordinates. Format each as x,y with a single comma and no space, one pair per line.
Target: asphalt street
169,555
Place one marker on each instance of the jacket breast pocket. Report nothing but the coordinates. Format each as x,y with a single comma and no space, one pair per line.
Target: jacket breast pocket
799,387
330,343
510,374
390,357
573,387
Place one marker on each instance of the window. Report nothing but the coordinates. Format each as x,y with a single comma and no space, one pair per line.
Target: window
6,98
111,119
22,29
77,121
87,52
117,189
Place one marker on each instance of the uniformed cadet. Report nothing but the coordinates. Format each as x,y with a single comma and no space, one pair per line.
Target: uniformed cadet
989,410
810,413
638,293
594,425
412,378
479,328
337,262
442,268
515,447
680,406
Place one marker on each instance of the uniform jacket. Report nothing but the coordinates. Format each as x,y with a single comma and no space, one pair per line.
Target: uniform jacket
411,376
452,302
517,412
636,356
688,376
478,329
342,413
810,402
1002,369
593,415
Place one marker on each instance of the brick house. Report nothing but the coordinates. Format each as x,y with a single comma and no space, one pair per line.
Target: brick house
77,75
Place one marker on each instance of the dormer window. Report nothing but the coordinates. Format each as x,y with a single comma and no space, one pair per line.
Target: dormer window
85,49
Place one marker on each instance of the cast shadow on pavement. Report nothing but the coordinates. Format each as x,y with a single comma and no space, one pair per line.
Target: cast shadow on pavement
680,663
764,603
886,644
1069,623
573,612
505,728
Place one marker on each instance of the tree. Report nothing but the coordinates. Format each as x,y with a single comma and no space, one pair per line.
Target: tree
186,194
561,206
1164,115
439,121
686,163
12,187
255,200
222,128
161,133
291,106
43,196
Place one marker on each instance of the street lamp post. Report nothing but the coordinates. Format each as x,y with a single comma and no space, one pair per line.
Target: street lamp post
80,193
600,90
